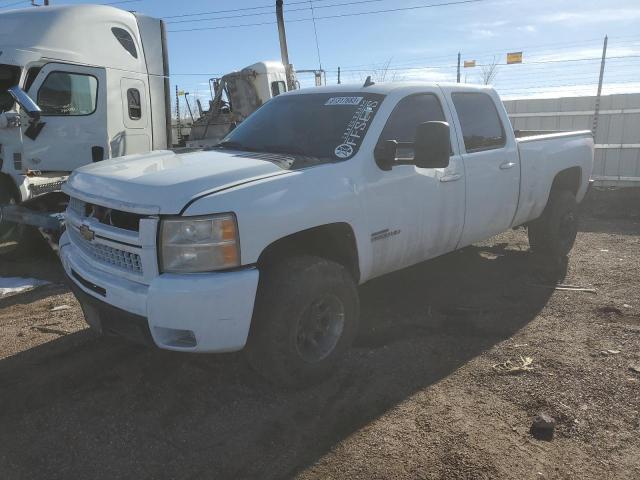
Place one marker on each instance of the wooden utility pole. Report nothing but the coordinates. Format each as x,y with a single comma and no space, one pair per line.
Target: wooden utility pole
178,123
284,51
596,112
338,75
458,67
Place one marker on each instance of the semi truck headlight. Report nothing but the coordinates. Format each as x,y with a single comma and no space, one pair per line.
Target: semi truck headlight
199,244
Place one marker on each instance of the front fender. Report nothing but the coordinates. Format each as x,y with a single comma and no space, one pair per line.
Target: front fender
273,208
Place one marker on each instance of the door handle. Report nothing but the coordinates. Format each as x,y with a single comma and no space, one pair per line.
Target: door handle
507,165
451,178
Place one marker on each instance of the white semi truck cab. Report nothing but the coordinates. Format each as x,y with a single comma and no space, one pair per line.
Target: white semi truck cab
237,95
100,79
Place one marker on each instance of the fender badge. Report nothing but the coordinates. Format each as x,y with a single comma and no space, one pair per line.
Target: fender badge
87,233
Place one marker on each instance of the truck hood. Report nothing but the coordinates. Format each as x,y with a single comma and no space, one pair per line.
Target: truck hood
163,182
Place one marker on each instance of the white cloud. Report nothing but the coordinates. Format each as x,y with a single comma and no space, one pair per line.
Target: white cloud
483,33
573,91
578,54
527,28
592,16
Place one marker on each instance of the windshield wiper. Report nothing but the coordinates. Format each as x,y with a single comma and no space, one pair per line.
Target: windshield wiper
284,149
231,145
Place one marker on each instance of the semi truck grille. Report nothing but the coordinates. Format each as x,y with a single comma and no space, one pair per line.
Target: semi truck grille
121,259
46,187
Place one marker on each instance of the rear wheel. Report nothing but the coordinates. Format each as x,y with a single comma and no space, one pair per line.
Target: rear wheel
554,233
305,319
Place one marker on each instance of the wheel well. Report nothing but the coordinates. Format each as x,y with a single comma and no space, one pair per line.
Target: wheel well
7,182
568,179
334,241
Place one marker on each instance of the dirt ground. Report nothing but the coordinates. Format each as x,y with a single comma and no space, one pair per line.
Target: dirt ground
418,396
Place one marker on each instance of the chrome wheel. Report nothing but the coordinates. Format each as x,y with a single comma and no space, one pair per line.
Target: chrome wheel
320,328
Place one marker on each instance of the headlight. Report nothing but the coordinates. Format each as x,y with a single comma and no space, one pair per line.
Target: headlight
199,244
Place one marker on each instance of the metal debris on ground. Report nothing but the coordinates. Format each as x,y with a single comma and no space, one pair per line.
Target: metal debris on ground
14,285
609,352
60,307
570,288
514,368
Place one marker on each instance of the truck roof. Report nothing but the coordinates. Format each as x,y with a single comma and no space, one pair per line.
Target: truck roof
388,87
71,33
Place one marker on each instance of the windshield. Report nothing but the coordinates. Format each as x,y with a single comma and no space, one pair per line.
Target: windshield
9,77
325,126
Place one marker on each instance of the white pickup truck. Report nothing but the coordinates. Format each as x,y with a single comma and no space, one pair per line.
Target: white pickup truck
262,240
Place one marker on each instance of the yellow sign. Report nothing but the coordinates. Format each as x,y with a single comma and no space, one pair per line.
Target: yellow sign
514,57
469,63
181,93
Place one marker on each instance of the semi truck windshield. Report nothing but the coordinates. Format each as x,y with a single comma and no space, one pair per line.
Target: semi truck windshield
9,77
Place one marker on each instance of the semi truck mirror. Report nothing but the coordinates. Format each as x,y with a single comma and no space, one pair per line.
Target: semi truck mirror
26,102
432,145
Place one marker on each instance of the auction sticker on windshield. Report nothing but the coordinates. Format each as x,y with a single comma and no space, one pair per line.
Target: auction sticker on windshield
344,101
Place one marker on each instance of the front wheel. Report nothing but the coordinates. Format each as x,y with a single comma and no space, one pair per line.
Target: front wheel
554,233
16,240
305,319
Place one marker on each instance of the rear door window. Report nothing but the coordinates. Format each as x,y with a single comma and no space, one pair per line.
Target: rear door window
133,104
480,122
277,88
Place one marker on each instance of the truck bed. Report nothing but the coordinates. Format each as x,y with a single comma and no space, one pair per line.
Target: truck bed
542,155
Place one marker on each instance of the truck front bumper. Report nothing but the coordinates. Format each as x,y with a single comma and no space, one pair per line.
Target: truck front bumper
205,313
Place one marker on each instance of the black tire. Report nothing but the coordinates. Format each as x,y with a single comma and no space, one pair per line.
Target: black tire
554,233
16,241
290,344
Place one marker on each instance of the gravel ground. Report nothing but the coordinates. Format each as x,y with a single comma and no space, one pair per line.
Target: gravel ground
418,396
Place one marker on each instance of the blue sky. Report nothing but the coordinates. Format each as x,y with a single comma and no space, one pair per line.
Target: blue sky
561,40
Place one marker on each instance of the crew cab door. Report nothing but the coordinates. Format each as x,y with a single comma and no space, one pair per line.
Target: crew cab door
415,213
491,164
74,110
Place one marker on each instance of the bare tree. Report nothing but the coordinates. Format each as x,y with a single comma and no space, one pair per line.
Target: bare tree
383,73
489,72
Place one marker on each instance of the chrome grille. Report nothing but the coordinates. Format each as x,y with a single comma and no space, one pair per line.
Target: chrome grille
121,259
77,206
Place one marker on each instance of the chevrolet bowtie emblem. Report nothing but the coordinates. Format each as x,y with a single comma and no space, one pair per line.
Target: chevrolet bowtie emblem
87,233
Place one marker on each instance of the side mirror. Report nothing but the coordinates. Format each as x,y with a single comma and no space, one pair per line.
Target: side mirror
432,145
385,154
26,102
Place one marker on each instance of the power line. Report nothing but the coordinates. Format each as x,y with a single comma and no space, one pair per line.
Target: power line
342,15
315,31
500,64
528,49
303,9
215,12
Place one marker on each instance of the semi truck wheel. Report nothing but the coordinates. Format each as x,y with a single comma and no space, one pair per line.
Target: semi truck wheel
305,319
15,240
554,233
